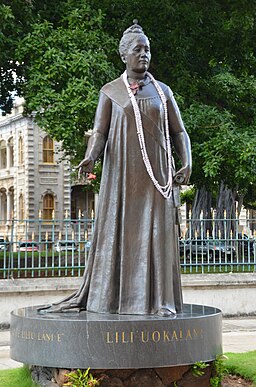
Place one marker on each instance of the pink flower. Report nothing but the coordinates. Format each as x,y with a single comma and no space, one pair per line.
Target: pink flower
91,176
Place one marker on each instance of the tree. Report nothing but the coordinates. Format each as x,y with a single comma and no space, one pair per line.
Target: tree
68,64
9,34
207,54
67,50
63,63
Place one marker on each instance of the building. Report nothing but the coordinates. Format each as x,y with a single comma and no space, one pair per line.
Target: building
34,180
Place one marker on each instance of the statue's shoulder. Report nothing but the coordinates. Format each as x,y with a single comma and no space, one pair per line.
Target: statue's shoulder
108,88
166,89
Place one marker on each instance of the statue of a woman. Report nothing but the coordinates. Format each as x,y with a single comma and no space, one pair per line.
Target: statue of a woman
133,264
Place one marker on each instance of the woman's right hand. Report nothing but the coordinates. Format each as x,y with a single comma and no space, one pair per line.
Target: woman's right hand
86,166
182,175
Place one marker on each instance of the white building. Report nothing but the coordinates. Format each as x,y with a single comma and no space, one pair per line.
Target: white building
34,181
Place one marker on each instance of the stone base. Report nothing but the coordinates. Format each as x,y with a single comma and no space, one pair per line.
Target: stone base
153,377
110,341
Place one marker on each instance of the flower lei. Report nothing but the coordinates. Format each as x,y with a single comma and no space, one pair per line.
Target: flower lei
165,190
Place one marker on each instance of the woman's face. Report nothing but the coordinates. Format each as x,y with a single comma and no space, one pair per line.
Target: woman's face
138,55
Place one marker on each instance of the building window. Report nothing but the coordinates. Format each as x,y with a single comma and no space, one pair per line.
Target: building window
21,207
21,151
2,155
11,155
48,206
3,206
48,151
10,203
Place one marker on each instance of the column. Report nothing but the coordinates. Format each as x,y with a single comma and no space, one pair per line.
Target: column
96,200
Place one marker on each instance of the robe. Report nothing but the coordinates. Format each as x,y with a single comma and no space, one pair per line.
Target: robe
133,264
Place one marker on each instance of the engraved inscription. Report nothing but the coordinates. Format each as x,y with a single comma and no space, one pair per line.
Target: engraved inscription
155,336
38,336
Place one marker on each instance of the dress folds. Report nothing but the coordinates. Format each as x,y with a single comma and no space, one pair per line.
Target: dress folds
133,264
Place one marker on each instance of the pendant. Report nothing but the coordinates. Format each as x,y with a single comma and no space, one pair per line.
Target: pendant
134,87
137,85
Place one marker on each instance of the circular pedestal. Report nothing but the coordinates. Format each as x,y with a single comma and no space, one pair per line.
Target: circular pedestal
112,341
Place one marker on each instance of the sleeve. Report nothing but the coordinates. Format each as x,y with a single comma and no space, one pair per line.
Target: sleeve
98,139
175,120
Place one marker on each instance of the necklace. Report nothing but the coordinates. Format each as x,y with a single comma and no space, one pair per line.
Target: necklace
165,190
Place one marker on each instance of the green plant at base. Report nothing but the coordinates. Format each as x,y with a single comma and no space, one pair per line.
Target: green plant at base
198,368
80,378
219,370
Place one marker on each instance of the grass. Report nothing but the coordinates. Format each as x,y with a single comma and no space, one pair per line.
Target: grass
221,268
35,264
243,364
18,377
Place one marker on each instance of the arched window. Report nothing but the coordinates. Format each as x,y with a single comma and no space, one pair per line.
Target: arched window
21,151
48,206
11,154
48,151
3,155
21,207
3,206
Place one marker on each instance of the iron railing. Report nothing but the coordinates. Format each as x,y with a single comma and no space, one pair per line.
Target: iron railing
57,248
218,245
40,248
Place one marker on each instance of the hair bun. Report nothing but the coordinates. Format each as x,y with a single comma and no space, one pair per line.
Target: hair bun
129,35
134,29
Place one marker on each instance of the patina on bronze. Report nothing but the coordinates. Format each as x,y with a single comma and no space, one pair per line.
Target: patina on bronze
133,265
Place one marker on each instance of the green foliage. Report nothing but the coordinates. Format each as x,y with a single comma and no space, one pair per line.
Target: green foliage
63,52
7,57
67,65
242,364
219,371
80,378
198,368
221,150
16,377
250,197
188,195
213,80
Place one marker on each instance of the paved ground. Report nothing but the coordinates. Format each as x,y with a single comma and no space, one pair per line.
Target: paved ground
5,361
239,335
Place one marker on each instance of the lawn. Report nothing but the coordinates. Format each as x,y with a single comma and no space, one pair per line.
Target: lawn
35,264
18,377
243,364
217,268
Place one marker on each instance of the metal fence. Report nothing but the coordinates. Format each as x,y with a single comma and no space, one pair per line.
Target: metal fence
56,248
40,248
218,245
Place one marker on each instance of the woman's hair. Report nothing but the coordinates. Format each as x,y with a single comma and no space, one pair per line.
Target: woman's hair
128,36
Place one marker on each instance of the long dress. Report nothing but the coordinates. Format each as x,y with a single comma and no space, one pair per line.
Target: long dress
133,264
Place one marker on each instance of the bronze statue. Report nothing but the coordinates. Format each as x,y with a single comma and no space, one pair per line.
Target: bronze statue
133,265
